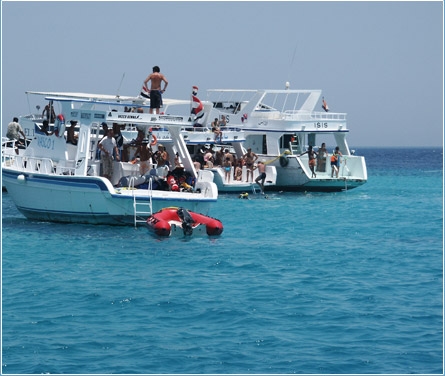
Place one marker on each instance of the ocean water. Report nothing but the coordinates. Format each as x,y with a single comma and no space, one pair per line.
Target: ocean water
315,283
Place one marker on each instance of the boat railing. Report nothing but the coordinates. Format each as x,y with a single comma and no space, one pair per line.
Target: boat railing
350,168
44,165
196,129
34,164
34,117
313,116
225,128
8,148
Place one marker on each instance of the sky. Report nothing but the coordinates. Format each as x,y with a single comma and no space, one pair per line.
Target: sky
379,62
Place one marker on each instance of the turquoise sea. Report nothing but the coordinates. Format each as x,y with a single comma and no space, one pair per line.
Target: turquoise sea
315,283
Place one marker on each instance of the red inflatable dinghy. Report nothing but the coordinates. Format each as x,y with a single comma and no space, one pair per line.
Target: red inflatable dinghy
167,220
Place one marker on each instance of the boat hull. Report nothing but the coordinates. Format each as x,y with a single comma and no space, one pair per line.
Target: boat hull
89,199
281,126
295,176
234,186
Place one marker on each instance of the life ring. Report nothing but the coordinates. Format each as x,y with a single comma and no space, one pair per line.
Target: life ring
284,161
59,126
154,140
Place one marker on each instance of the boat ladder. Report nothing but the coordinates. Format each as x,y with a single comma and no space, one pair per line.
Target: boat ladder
294,147
142,209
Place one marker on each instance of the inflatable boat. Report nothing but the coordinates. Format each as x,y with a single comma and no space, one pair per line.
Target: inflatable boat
171,220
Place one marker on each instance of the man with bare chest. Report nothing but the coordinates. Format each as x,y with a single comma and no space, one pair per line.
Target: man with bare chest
156,79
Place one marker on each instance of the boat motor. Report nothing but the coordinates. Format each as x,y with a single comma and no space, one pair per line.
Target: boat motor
187,221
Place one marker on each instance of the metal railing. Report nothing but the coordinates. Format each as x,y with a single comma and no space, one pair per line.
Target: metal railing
315,116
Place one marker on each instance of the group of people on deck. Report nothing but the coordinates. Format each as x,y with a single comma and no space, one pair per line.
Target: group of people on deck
317,160
206,157
111,145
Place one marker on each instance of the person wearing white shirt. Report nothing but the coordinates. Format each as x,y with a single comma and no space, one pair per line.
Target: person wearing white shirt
107,145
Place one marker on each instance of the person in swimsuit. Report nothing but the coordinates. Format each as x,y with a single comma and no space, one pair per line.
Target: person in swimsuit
71,137
321,158
249,160
145,153
163,158
49,113
216,130
155,91
312,159
261,166
239,170
229,155
227,169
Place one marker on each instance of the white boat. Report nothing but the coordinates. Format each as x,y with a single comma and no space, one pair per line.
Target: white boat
280,125
56,181
195,137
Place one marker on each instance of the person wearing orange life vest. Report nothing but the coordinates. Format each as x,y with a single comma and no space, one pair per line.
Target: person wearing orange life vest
335,162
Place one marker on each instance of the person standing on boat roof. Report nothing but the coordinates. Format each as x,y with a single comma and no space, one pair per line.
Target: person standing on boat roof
13,133
156,79
312,159
107,145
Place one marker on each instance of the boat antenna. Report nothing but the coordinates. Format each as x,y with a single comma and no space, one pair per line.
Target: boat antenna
290,67
119,88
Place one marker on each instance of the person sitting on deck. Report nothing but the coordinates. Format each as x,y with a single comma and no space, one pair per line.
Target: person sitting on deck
216,130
